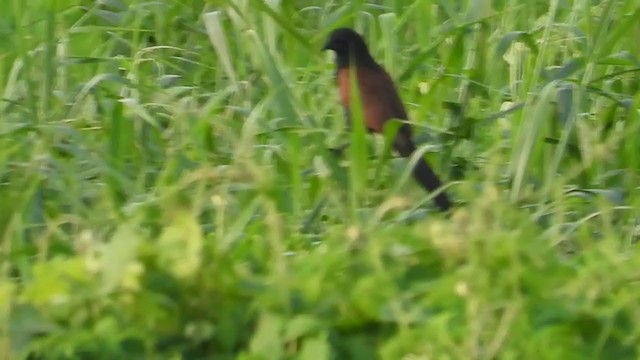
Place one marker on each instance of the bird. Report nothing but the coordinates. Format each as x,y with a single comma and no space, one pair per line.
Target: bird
380,101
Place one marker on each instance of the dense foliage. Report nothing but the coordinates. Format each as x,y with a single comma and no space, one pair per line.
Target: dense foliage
168,193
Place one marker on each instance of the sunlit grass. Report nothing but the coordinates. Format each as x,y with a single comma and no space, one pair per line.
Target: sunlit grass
168,189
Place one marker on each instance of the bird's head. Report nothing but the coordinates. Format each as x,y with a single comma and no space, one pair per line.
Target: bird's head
345,41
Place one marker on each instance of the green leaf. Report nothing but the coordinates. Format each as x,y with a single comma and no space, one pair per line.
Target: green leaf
300,326
215,31
511,37
316,348
26,325
180,244
119,254
266,342
565,70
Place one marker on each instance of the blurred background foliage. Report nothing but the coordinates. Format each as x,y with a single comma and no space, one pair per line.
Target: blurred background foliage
168,193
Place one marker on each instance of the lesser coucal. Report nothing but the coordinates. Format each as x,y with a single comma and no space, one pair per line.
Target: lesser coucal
380,101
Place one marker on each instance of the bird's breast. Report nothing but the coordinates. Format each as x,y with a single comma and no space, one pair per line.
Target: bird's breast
376,92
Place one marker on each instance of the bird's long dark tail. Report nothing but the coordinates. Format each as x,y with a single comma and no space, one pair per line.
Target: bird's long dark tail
422,172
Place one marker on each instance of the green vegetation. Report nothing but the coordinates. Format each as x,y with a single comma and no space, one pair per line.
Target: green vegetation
168,193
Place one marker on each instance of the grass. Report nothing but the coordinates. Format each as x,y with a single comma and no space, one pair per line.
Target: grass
169,193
